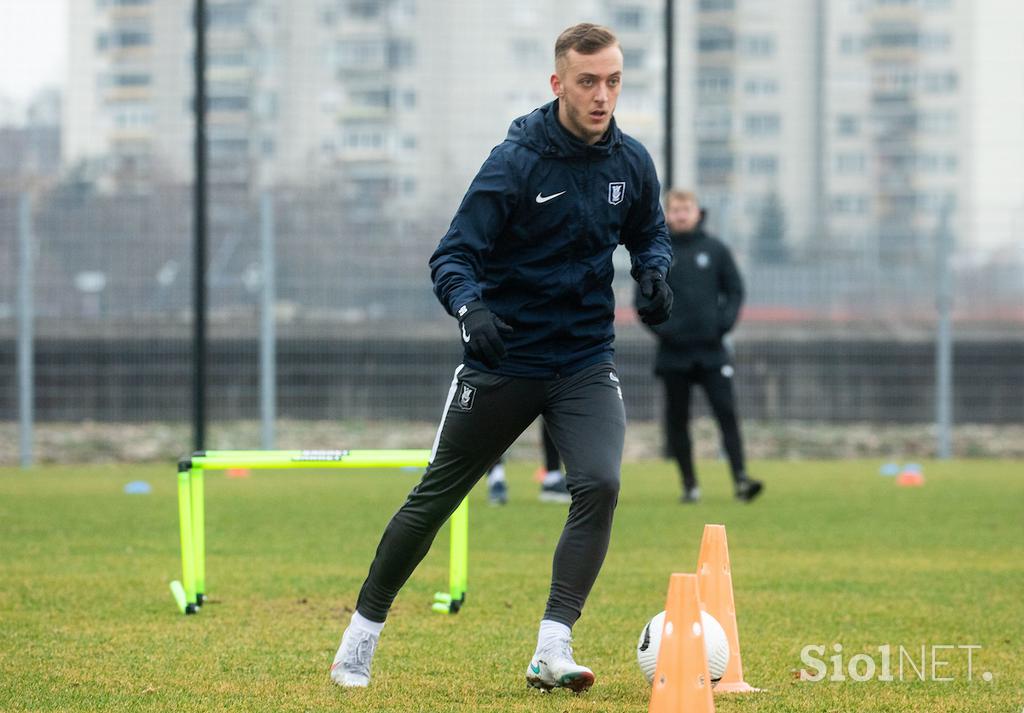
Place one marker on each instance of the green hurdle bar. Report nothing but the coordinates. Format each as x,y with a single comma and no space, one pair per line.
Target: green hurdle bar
190,592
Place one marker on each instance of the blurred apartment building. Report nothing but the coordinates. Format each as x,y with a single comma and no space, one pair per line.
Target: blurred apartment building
392,102
863,120
846,121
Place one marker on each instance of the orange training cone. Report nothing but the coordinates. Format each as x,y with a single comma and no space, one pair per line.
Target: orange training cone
910,479
715,577
681,681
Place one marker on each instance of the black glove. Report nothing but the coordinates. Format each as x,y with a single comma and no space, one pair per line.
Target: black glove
481,333
655,303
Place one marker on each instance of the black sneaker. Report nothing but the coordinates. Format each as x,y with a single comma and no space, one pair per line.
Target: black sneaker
690,495
748,489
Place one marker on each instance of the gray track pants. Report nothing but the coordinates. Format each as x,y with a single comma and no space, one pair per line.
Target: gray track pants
483,416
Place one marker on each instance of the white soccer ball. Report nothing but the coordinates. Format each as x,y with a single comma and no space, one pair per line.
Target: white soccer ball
716,646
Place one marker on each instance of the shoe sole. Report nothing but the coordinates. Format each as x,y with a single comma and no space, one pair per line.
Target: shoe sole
575,682
340,681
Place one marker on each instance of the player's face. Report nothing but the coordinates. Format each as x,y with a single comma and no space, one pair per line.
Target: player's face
682,216
587,86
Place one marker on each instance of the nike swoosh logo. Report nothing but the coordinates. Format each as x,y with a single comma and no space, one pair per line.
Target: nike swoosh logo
544,199
465,334
535,668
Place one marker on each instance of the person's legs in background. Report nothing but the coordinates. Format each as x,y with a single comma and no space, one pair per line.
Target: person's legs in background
677,430
552,488
717,383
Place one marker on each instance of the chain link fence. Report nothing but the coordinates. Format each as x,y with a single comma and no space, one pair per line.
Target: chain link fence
358,125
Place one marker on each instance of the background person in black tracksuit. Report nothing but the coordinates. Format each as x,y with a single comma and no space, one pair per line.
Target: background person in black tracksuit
708,292
526,269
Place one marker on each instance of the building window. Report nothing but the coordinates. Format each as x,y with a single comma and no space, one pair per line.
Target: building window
936,122
714,81
131,116
401,54
370,98
227,59
847,125
849,204
128,80
364,9
363,138
762,124
912,38
758,45
851,44
763,165
123,39
355,54
230,14
937,163
713,167
712,122
761,86
939,82
715,39
215,103
629,17
848,164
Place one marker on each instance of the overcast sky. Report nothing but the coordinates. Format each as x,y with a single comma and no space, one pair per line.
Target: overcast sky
33,45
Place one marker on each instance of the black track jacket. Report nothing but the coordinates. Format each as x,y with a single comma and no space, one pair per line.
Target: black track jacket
708,293
534,239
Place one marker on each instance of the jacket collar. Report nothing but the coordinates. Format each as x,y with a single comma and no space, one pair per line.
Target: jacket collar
541,131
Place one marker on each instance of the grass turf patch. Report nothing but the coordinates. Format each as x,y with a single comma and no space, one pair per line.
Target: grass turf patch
833,554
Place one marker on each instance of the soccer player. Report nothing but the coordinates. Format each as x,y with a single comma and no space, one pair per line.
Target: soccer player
691,351
526,269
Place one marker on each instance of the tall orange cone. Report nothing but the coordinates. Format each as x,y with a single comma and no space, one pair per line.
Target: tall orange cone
715,578
681,682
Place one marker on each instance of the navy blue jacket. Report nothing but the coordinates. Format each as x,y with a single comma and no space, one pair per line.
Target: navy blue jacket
534,237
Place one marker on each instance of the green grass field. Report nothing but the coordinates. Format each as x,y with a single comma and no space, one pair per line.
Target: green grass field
833,553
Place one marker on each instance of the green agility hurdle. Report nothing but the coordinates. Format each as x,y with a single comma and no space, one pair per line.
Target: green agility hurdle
190,592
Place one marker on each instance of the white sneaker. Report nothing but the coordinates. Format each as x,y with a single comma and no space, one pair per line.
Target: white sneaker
351,667
555,492
554,667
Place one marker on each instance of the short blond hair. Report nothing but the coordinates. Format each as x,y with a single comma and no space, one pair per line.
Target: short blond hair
680,194
585,38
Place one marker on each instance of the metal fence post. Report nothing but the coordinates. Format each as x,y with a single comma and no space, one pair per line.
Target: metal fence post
944,339
25,332
268,337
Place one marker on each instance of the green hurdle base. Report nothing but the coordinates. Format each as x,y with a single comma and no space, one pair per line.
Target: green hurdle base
190,592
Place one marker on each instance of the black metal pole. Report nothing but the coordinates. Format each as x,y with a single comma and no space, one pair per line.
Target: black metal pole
670,31
199,236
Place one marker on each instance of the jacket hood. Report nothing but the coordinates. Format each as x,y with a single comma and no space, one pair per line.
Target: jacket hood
541,131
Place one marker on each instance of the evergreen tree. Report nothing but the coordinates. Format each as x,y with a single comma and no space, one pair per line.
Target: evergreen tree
770,238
